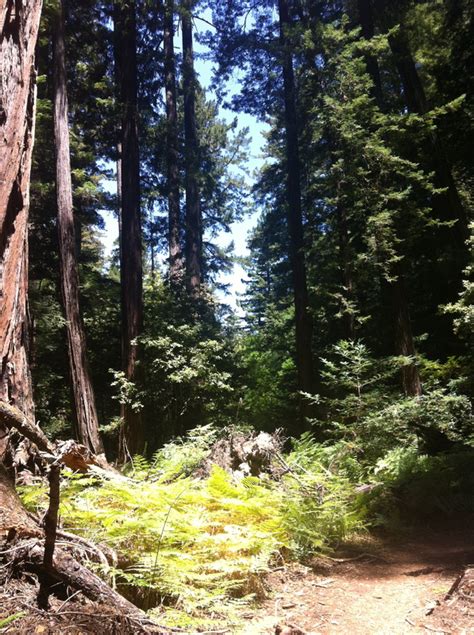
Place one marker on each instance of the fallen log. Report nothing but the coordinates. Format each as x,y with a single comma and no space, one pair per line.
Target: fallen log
68,570
72,454
11,417
23,539
22,544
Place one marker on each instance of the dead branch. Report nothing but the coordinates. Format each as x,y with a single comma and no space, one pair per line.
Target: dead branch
11,417
50,526
67,569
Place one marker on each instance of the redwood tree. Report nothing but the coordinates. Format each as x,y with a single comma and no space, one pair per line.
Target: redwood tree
295,214
19,23
132,441
172,152
191,155
84,401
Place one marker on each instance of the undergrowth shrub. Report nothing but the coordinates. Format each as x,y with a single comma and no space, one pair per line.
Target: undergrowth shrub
412,487
366,411
201,547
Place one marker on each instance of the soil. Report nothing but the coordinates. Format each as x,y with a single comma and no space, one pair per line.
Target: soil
370,586
376,587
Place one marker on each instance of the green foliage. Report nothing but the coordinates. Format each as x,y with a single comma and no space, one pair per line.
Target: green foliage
4,622
463,308
411,487
179,457
366,409
187,367
202,547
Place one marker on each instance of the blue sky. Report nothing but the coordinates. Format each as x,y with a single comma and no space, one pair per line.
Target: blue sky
240,230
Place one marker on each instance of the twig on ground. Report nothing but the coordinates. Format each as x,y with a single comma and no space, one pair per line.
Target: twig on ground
68,600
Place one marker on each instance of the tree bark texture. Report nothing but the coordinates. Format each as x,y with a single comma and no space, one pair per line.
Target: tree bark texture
84,401
404,342
295,214
172,152
50,528
193,246
19,23
132,441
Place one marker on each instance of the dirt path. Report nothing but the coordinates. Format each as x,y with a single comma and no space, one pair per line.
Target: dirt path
379,588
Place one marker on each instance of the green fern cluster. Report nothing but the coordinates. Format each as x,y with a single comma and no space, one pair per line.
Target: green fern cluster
201,547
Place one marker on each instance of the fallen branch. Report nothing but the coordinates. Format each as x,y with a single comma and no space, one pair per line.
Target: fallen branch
72,454
11,417
66,569
106,555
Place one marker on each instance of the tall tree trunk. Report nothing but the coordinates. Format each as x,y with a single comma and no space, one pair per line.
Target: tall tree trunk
132,440
295,216
448,204
404,337
117,93
404,342
84,401
19,23
172,152
193,248
366,20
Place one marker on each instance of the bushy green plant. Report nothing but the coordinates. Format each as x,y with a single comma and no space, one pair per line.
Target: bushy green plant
366,410
202,546
411,486
185,371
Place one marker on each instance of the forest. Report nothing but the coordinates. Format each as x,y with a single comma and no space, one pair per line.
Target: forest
178,454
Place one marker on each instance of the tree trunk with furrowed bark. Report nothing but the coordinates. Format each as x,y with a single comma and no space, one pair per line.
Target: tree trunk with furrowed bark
131,282
303,326
19,23
193,248
172,151
84,401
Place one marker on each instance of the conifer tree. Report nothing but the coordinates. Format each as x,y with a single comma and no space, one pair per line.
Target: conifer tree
172,150
131,236
19,24
193,251
84,399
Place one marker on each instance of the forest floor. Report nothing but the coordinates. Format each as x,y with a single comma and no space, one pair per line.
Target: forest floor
374,586
371,586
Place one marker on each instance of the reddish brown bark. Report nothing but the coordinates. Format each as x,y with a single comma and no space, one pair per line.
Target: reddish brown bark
193,247
84,401
19,24
404,342
132,441
172,153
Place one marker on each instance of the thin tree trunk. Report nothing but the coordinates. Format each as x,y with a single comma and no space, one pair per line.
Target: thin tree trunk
132,441
295,215
404,337
191,151
19,23
366,20
117,76
84,401
172,153
347,273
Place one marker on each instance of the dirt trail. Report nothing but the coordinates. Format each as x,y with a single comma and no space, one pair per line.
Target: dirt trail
378,588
